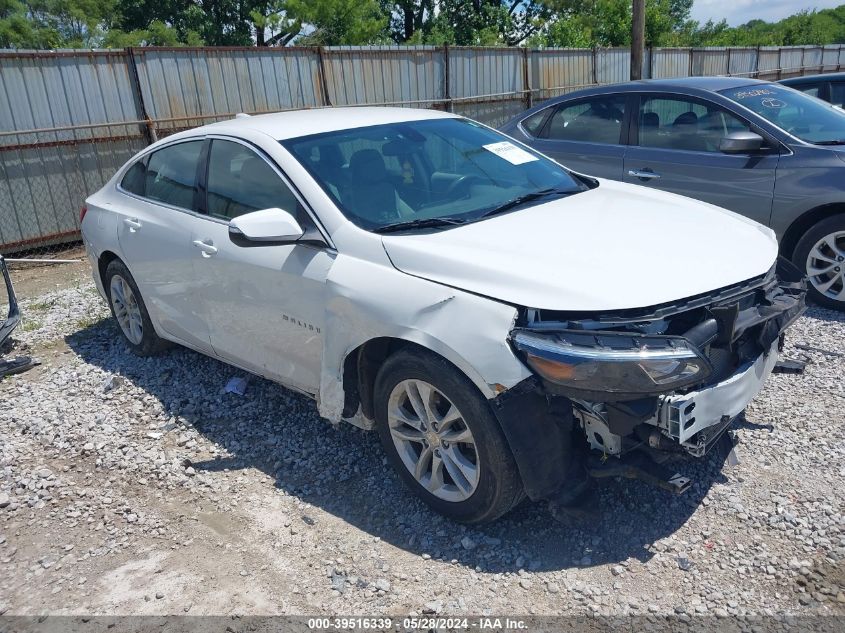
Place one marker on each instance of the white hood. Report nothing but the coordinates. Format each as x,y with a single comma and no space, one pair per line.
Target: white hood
615,247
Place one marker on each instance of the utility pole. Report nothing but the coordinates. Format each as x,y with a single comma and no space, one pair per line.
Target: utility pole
637,39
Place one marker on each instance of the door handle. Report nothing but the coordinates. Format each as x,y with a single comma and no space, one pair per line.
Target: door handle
206,246
132,223
645,174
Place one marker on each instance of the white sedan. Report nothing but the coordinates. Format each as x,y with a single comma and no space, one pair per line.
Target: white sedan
505,324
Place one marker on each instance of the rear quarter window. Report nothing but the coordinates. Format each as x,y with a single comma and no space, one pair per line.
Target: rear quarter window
134,178
534,123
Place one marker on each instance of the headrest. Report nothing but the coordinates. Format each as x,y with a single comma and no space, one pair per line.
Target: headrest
687,118
651,119
367,165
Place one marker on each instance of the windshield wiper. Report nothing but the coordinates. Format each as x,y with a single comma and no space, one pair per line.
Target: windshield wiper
519,200
421,223
840,141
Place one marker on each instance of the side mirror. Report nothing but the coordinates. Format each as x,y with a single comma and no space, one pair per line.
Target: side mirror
265,227
741,143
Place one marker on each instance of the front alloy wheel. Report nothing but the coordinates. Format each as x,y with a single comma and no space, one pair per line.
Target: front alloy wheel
826,266
441,436
433,440
820,253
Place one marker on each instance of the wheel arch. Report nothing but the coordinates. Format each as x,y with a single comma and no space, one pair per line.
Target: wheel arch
804,223
362,363
103,261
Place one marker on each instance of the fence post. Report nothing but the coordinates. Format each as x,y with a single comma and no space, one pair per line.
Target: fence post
729,63
149,129
526,77
757,64
321,70
595,65
446,79
780,63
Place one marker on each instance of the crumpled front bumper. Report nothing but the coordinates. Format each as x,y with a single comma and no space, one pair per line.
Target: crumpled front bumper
688,417
697,418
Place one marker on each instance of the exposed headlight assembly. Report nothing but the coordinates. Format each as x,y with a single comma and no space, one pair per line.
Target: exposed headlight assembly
612,363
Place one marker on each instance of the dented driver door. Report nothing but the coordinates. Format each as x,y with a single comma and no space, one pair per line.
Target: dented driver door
265,303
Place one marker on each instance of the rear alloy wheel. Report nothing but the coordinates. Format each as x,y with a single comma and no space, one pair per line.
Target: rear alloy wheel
442,438
821,255
129,311
126,310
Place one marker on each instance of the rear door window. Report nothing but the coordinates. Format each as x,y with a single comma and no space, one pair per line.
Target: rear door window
171,175
596,120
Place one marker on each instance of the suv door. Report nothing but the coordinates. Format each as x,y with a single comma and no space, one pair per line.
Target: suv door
676,149
265,304
584,135
155,225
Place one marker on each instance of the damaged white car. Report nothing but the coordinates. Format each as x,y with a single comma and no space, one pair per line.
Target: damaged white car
507,326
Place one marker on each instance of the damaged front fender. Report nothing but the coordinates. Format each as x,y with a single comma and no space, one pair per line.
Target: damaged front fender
467,330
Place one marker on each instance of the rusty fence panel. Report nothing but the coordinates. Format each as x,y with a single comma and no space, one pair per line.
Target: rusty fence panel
487,84
69,119
402,76
742,62
187,87
556,71
669,62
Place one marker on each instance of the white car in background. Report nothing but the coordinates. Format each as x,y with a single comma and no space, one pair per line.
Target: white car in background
505,324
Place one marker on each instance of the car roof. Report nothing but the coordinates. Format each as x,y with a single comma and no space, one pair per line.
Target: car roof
711,84
295,123
811,79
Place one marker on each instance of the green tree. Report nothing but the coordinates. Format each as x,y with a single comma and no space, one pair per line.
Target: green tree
334,22
608,22
464,22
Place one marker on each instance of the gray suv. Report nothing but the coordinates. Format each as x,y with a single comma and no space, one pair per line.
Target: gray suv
761,149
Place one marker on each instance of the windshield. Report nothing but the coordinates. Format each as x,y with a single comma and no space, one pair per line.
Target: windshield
810,119
422,174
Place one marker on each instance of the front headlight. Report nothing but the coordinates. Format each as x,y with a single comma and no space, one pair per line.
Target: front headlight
614,363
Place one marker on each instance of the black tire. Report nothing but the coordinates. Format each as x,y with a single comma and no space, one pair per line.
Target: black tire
150,344
826,227
499,488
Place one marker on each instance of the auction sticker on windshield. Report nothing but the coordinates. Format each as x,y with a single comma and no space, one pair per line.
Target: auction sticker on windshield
510,152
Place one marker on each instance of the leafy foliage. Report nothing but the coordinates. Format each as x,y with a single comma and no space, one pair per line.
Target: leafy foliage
577,23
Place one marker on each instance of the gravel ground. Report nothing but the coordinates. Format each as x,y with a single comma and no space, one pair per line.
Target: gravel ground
137,486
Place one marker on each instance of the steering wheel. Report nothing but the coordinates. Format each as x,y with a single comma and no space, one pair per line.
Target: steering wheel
461,182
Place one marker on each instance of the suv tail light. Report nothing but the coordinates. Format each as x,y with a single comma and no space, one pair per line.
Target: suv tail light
82,212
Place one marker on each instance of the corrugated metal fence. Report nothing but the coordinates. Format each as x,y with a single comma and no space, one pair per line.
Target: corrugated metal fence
69,119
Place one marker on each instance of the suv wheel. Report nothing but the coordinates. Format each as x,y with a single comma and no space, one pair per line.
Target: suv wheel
129,311
441,436
821,255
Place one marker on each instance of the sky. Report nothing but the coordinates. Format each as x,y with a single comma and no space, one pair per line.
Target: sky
741,11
